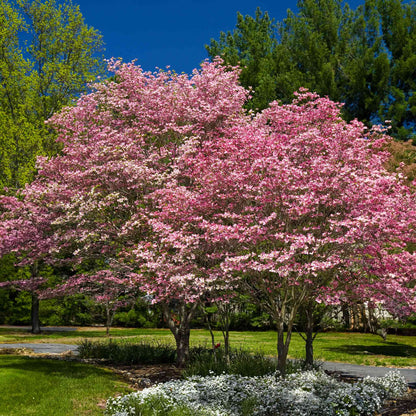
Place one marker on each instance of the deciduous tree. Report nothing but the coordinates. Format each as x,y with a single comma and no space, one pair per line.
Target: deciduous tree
165,176
121,147
104,288
48,55
304,209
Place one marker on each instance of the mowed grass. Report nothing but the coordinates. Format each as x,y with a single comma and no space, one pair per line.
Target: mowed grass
13,335
354,348
44,387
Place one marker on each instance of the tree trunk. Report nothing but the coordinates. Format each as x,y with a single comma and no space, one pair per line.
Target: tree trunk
284,312
182,346
212,335
309,337
346,316
282,347
108,320
180,329
226,335
208,321
225,311
35,314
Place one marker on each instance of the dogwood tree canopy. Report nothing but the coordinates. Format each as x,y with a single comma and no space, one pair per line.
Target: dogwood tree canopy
165,177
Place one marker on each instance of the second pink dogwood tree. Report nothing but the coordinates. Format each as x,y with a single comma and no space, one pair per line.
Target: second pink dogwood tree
302,208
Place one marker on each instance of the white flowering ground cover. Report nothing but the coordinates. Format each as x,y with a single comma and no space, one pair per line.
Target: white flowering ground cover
302,394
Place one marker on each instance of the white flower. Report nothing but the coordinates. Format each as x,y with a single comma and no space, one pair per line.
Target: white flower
309,393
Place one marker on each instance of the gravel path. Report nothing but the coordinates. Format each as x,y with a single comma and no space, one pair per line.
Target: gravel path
360,371
44,348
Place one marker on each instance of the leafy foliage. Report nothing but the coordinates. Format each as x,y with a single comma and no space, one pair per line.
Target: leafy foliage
48,56
125,352
204,362
363,58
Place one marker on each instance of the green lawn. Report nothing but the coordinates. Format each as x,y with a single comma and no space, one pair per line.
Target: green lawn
368,349
43,387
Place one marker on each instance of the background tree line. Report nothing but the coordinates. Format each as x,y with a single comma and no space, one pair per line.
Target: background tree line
364,58
48,55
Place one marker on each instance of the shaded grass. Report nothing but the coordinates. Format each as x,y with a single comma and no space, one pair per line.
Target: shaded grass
354,348
393,349
50,387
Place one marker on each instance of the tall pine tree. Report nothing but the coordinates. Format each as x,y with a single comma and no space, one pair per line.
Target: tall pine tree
364,58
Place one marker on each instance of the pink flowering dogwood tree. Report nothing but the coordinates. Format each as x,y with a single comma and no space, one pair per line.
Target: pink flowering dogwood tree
165,176
304,209
103,287
25,230
121,144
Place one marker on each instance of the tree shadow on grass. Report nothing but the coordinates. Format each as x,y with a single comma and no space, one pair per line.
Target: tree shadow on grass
390,349
68,369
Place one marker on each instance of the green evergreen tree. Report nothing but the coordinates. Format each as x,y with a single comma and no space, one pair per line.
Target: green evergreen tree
364,58
398,21
253,46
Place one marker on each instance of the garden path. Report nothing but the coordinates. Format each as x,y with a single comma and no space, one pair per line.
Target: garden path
360,371
43,348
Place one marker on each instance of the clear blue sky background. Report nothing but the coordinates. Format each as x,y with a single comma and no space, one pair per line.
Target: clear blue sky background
170,32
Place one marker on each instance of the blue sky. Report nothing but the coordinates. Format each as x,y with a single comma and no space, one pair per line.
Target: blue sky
161,33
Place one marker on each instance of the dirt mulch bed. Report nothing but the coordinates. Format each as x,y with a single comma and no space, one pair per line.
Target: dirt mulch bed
405,406
141,376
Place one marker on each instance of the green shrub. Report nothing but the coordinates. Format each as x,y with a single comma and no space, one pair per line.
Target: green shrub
124,352
204,361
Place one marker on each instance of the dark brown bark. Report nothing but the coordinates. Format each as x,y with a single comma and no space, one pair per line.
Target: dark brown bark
346,316
182,346
309,336
181,329
282,347
225,323
35,314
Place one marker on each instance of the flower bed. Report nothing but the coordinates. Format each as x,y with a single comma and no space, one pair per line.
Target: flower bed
306,393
